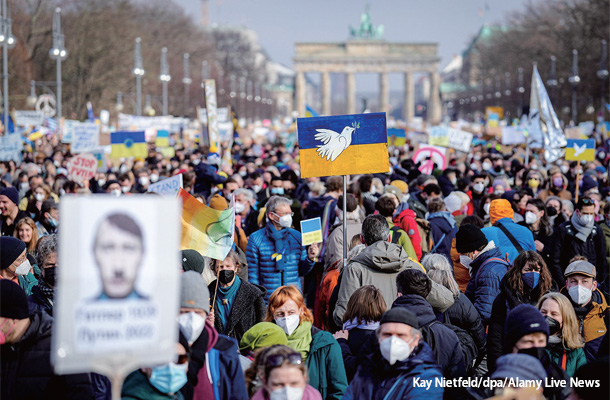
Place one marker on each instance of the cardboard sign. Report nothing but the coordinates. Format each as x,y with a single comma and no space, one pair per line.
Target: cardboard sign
429,156
85,137
167,187
83,167
311,231
460,140
118,289
11,147
28,118
210,101
439,136
573,133
580,150
397,137
512,135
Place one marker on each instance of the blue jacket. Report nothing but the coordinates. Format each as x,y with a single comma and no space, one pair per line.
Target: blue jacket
443,230
206,177
376,379
523,235
263,267
485,279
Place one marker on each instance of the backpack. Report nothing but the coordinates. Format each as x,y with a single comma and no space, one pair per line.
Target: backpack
395,234
469,349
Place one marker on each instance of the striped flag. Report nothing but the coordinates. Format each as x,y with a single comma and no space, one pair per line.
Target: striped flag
128,144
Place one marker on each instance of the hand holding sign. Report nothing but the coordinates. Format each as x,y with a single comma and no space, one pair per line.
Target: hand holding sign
313,251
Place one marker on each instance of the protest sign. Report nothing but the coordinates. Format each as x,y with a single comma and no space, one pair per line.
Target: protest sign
85,137
460,140
68,130
11,147
580,150
100,157
210,101
168,186
311,231
439,136
223,114
587,127
396,137
202,115
117,295
429,156
495,113
28,118
512,135
343,145
82,167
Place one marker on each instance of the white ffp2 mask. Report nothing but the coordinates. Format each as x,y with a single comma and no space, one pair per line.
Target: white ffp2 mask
394,349
580,294
289,324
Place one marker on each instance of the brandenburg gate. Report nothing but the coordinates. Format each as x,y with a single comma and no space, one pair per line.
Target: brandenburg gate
366,52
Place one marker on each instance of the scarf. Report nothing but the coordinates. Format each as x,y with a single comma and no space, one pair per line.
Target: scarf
364,325
280,239
46,290
443,214
300,340
583,230
226,297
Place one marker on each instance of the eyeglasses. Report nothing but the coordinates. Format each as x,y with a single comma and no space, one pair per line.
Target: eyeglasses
182,359
276,360
291,214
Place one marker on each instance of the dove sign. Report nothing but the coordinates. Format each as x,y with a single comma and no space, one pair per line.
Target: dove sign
343,145
580,150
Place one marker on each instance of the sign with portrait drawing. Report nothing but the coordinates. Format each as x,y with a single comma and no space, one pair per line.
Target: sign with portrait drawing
117,293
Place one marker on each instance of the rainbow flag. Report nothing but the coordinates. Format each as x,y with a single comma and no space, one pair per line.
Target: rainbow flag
204,229
162,139
128,144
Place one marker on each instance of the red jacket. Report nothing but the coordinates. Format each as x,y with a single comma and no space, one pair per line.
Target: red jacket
406,221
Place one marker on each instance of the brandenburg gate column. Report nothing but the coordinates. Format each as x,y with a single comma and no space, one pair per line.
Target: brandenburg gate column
351,92
326,93
384,92
409,103
300,93
434,103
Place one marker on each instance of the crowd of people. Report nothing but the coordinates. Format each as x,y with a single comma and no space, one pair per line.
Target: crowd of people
464,283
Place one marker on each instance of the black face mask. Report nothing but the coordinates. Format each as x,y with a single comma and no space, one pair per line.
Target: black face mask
551,211
49,275
554,325
537,352
226,276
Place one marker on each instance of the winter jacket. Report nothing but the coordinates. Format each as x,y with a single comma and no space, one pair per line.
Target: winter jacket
405,220
460,272
593,319
378,265
446,344
488,269
334,242
401,238
376,379
262,268
606,230
248,309
206,177
574,359
446,186
566,245
138,387
325,365
322,317
417,204
353,347
27,282
38,302
521,234
463,315
26,367
315,207
506,300
443,230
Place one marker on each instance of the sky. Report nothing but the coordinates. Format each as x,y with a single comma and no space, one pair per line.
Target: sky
281,23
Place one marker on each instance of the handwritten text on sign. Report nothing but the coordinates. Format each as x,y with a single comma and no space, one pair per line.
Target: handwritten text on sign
167,187
83,167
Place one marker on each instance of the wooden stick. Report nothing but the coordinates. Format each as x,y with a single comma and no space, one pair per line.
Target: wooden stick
577,181
217,282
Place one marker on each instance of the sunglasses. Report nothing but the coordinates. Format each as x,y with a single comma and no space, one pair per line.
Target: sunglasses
588,202
277,360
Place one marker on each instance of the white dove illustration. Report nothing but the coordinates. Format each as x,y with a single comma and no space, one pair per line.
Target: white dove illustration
578,150
334,143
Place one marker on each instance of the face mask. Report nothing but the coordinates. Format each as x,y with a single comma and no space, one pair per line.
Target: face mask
564,169
285,221
49,275
287,393
256,188
580,294
23,268
498,168
52,221
144,181
123,169
554,325
277,190
588,219
474,167
534,183
239,207
558,181
154,178
479,187
530,218
537,352
499,192
196,161
4,335
531,279
125,189
116,192
101,182
453,181
486,207
25,186
465,261
226,276
169,378
191,325
534,166
551,211
289,324
394,349
373,190
486,165
406,197
39,196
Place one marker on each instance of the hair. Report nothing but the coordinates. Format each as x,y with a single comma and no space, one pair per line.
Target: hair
473,220
375,228
30,247
274,202
334,183
432,188
232,255
440,271
607,208
545,224
412,281
48,205
290,175
356,241
435,205
570,335
350,201
581,202
124,223
255,372
248,194
280,296
46,246
514,278
280,350
364,183
385,205
366,304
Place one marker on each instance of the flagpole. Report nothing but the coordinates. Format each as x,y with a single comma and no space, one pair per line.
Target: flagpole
217,263
344,221
577,181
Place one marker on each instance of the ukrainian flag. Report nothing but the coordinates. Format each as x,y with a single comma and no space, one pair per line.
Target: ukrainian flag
580,150
397,137
128,144
162,139
310,112
343,145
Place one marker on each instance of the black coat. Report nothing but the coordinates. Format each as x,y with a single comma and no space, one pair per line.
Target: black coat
27,372
206,177
359,344
248,309
38,302
463,315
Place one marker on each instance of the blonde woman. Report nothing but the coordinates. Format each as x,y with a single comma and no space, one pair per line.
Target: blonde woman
26,231
565,345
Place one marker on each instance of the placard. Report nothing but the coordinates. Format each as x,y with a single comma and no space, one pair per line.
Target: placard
311,231
11,147
460,140
167,187
429,156
82,167
85,137
580,150
28,117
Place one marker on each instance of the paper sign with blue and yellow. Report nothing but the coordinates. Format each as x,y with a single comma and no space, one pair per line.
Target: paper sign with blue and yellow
580,150
128,144
343,145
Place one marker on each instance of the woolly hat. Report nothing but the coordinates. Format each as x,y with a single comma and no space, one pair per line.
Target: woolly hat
261,335
401,185
217,202
10,249
588,183
519,366
469,238
11,193
394,190
13,300
192,260
453,202
400,315
194,292
499,209
520,321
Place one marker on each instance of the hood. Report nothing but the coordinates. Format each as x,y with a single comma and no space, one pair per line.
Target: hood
445,216
385,257
488,252
417,305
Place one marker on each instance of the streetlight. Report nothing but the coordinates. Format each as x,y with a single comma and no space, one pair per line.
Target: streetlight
574,80
602,73
232,86
119,101
8,41
520,89
148,109
138,72
59,54
186,80
32,98
552,82
164,77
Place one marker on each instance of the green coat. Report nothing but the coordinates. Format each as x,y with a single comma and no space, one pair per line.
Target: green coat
574,358
325,365
404,240
137,387
27,282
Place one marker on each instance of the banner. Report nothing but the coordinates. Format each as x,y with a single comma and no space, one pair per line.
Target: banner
439,136
210,101
82,167
167,187
512,135
11,147
429,156
85,137
28,118
128,144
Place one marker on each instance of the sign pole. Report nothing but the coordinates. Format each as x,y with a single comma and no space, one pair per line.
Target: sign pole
577,181
344,221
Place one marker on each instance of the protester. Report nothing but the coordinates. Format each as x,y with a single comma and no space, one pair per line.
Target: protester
386,205
43,294
26,231
15,265
11,214
442,227
245,210
48,221
537,221
334,243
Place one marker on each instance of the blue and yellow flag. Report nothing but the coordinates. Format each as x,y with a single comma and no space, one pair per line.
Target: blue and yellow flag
580,150
343,145
128,144
310,112
162,139
397,137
